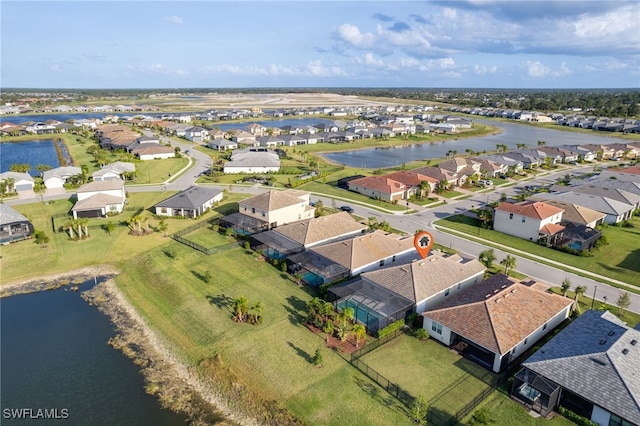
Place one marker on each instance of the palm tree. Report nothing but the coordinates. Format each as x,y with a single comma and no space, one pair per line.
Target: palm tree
521,145
78,223
256,313
541,143
345,316
109,227
565,286
359,331
329,329
509,263
487,257
579,291
240,308
69,226
163,227
85,224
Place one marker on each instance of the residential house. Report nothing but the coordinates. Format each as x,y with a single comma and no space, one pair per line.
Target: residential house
590,367
423,283
252,160
615,211
99,199
192,202
222,144
560,155
13,225
578,215
630,174
245,138
117,170
293,139
278,208
56,178
151,151
530,220
17,181
604,190
197,134
270,141
351,257
497,320
392,187
257,129
218,134
295,237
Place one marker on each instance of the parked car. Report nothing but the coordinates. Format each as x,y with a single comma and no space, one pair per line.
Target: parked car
346,209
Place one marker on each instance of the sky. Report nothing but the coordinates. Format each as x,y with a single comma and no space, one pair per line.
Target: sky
241,44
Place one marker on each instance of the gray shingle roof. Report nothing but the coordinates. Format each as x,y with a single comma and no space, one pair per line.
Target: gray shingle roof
9,215
191,198
595,357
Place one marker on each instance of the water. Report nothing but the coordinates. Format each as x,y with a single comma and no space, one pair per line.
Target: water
33,152
55,356
512,134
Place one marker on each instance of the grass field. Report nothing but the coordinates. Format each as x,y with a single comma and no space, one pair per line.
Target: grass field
620,259
446,380
273,358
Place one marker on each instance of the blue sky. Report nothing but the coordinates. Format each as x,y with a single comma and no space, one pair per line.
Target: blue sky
220,44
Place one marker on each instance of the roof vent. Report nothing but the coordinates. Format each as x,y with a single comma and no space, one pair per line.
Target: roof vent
634,342
611,333
625,351
513,290
497,300
603,341
598,361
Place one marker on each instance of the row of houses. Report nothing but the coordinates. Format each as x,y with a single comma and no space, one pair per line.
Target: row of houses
116,136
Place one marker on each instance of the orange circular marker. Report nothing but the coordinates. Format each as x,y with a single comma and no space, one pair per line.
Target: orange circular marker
423,241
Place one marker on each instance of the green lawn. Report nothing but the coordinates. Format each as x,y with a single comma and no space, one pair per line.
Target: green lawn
272,360
506,412
333,191
447,380
619,260
158,171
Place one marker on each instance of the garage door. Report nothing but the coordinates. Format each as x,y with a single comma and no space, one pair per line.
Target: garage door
24,187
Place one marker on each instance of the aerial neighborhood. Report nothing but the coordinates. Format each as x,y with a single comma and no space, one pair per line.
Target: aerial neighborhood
232,208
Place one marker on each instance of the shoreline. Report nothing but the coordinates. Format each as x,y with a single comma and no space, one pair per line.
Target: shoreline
177,386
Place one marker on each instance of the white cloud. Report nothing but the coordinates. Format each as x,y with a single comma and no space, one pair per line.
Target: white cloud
318,69
351,34
483,69
536,69
174,20
312,68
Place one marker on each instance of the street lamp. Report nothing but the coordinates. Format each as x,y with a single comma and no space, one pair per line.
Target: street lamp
595,287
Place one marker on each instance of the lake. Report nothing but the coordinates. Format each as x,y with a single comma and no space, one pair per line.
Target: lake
55,356
33,152
512,134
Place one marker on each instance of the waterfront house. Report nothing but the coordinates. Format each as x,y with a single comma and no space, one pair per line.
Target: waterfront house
99,199
117,170
277,208
220,144
192,202
17,181
496,320
56,178
196,134
590,368
395,186
615,211
13,225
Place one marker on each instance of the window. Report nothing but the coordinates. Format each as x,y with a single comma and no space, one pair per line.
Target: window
163,210
510,215
253,210
524,219
264,214
436,327
544,327
393,259
245,208
446,292
382,262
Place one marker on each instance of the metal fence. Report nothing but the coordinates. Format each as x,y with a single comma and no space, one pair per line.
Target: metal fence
370,346
392,388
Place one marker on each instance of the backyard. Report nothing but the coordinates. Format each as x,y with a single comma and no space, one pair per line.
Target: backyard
619,260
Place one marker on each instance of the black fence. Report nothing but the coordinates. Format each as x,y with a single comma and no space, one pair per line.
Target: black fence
195,226
392,388
372,345
205,250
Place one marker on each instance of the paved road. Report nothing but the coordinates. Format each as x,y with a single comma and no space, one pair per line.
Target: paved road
407,222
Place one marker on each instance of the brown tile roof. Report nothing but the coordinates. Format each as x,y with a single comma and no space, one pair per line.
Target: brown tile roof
422,279
364,250
534,209
551,229
321,228
498,313
380,183
97,201
576,214
274,200
632,170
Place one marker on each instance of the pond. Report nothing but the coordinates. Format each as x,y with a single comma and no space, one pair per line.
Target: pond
55,356
32,152
512,134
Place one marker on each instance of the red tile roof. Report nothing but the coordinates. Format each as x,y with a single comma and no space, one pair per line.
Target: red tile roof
534,209
551,229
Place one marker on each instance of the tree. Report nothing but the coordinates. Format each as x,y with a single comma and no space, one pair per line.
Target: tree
328,328
69,227
43,168
359,331
623,303
487,257
163,227
565,286
109,227
521,145
541,143
20,168
317,358
509,263
419,409
255,316
481,417
579,290
41,238
85,224
425,187
345,316
240,308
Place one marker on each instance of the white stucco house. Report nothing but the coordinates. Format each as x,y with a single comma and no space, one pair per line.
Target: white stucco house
528,220
19,181
115,170
56,178
496,320
253,160
98,199
278,207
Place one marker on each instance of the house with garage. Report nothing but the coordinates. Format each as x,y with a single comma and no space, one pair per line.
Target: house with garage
197,134
529,220
270,141
17,181
252,160
497,320
590,368
99,199
327,263
395,186
301,235
119,170
191,203
421,284
244,138
220,144
56,178
631,174
13,225
614,210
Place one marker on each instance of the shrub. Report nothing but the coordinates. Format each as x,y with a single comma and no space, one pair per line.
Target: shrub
422,334
576,418
391,328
